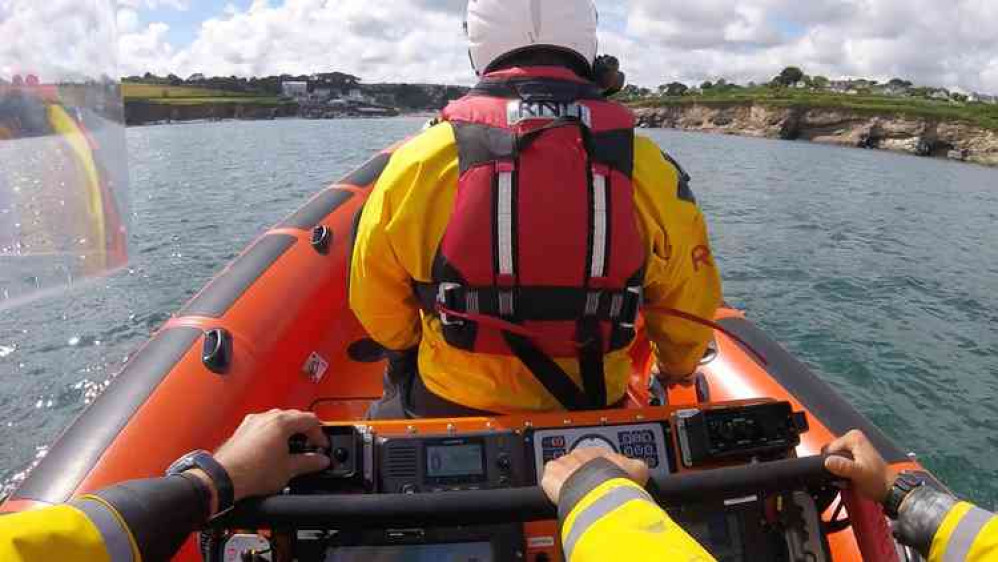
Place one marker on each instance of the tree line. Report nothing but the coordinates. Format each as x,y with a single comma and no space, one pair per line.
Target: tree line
267,85
789,77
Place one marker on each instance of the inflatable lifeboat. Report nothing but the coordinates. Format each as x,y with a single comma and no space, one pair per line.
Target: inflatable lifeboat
735,458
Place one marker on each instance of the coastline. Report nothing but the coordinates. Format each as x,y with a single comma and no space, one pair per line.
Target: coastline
142,112
840,126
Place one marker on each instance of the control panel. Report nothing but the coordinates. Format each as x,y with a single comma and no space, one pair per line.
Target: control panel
643,441
391,461
724,434
438,463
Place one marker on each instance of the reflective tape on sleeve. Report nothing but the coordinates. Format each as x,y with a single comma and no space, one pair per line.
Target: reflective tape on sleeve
965,534
117,537
599,509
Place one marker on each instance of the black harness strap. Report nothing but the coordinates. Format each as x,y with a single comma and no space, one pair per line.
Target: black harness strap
591,364
552,377
536,304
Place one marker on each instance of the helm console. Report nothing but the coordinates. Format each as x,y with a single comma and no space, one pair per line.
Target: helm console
467,489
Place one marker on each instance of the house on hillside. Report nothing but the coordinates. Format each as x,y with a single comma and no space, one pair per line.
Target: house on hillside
321,94
843,87
982,98
354,94
891,90
294,89
941,94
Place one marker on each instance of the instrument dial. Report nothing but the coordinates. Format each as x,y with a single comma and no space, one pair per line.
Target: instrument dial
593,441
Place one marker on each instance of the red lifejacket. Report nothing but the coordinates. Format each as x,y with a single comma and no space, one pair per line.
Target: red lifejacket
542,256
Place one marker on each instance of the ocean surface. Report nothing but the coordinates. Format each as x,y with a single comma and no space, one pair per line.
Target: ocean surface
879,270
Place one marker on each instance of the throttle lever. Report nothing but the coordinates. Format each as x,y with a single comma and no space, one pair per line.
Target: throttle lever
298,445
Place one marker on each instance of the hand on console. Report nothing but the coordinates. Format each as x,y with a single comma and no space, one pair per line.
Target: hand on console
866,470
557,472
257,457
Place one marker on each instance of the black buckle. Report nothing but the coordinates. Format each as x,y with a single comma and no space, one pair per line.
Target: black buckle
447,298
633,299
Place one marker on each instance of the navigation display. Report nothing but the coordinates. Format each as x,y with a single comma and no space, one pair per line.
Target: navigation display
447,461
458,552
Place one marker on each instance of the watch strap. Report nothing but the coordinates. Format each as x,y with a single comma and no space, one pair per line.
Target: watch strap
215,471
204,493
904,484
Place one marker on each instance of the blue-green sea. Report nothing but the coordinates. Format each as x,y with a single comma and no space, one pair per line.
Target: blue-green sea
879,270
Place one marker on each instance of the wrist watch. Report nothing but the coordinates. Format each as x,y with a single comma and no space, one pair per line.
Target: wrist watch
215,471
904,484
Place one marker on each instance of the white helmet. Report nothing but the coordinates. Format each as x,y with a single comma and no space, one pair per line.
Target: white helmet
501,27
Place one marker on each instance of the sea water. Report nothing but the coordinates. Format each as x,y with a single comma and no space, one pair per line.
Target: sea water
879,270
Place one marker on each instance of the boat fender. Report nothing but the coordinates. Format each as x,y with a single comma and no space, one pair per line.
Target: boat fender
322,237
216,353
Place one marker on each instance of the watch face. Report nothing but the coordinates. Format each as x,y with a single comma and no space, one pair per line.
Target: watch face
908,481
183,464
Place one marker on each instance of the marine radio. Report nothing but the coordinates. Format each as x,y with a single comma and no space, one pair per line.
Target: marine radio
438,463
718,434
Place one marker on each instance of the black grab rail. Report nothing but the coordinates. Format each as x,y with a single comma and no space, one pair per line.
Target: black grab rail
488,507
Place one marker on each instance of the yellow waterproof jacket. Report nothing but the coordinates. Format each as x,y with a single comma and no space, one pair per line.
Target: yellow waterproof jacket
63,533
134,521
967,533
606,516
401,229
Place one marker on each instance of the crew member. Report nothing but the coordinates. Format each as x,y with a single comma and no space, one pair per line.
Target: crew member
505,253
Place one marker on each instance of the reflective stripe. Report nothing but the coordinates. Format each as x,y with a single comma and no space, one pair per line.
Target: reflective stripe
506,303
965,534
599,509
505,223
117,538
592,303
599,225
616,305
471,302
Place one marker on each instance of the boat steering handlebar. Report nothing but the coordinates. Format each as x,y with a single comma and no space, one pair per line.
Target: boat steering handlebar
485,507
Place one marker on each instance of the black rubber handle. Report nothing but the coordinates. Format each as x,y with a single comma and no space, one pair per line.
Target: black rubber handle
738,481
216,351
488,507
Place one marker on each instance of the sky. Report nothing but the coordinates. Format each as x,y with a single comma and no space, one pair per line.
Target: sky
950,43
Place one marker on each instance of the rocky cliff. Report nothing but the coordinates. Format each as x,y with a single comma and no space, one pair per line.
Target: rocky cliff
901,133
142,112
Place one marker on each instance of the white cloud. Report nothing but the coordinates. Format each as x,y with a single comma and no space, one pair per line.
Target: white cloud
57,39
939,43
128,20
953,44
154,4
402,40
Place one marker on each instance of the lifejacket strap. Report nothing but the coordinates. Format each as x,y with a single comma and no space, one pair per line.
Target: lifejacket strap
539,304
